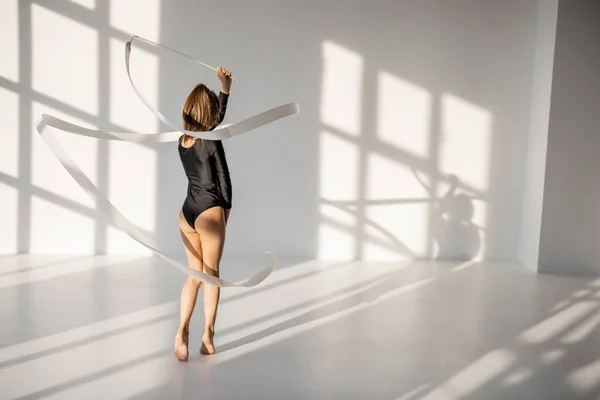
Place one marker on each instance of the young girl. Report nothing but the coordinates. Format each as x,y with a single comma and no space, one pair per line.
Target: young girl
205,211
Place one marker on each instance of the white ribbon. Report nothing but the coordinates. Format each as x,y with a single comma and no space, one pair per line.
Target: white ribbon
223,132
119,220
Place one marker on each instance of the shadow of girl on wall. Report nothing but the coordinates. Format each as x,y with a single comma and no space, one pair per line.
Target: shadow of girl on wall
456,235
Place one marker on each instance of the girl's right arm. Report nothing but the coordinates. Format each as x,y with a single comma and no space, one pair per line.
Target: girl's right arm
225,78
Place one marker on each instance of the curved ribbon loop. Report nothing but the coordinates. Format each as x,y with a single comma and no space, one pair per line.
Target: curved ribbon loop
222,132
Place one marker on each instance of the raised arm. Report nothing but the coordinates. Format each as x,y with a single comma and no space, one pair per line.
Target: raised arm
225,78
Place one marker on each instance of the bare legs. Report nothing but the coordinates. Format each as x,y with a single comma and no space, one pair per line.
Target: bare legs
210,226
204,248
189,293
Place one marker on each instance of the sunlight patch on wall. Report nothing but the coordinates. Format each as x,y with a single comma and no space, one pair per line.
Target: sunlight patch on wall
395,232
8,215
340,111
390,180
336,236
131,162
9,137
338,168
126,109
147,17
56,229
396,209
403,114
338,181
64,59
46,171
9,37
466,140
341,88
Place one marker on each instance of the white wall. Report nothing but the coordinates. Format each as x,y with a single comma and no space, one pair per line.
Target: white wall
66,59
533,196
395,100
571,217
426,86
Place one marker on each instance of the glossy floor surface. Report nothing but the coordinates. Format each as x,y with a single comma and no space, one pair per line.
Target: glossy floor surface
103,328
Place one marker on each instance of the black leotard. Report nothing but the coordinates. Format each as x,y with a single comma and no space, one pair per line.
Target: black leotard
205,166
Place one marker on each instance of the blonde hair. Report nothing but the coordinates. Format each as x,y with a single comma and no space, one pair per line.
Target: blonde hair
200,111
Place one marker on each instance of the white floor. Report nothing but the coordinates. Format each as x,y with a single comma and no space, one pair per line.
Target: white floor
103,328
